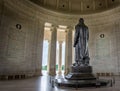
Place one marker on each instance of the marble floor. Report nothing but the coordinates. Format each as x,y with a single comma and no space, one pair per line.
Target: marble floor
43,84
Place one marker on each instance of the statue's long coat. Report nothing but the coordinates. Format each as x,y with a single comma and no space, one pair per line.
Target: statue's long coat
81,42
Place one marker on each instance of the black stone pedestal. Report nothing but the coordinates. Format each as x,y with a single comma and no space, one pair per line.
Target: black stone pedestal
80,73
81,69
81,76
80,83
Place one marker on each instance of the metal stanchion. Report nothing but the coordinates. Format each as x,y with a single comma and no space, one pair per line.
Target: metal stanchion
111,83
113,80
53,83
50,79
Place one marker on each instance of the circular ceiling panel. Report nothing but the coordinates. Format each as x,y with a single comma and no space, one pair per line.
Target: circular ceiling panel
77,6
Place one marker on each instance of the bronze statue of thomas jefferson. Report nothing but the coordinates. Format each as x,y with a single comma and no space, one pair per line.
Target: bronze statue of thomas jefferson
81,43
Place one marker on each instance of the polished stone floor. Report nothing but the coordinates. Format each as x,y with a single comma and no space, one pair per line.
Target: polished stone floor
43,84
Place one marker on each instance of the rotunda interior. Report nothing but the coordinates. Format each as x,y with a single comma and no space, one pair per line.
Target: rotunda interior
36,41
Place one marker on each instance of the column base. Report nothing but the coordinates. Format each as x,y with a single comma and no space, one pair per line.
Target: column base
59,72
38,72
66,71
52,72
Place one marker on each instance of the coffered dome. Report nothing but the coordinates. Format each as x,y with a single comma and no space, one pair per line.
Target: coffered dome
77,6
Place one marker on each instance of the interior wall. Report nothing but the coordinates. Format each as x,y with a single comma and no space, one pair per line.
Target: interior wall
117,49
1,7
104,50
19,47
19,43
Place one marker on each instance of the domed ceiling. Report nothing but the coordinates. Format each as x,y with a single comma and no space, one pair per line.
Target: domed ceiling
77,6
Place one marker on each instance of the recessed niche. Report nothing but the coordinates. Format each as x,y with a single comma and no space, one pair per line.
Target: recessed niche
18,26
102,35
88,6
63,5
113,0
100,4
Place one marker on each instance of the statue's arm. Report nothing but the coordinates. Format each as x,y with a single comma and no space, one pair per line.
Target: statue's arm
76,36
87,34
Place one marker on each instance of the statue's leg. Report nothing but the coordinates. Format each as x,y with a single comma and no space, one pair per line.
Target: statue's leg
80,59
76,55
87,57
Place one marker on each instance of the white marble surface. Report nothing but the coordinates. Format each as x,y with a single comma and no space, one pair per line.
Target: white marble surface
42,84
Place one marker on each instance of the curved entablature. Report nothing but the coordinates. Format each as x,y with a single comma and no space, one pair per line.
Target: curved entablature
46,15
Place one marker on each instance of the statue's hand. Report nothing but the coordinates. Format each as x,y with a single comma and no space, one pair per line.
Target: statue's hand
74,45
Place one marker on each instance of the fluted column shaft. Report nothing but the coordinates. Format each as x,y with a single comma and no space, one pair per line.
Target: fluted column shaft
73,49
60,58
48,56
68,51
52,54
39,49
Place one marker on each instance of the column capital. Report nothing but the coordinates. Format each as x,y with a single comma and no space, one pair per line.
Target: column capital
60,42
54,27
69,28
41,23
48,41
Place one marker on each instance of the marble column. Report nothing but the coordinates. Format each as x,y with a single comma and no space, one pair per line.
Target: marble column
60,58
39,48
52,52
48,55
73,49
68,50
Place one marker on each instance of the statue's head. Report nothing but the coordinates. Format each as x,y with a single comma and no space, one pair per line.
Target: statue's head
81,20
